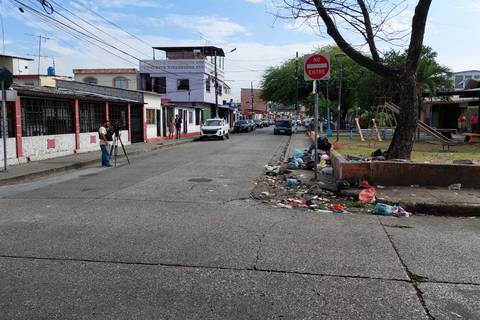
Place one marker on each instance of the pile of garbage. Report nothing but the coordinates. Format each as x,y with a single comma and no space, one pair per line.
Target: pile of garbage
377,155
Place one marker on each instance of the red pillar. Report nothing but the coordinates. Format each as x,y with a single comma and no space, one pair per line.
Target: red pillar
107,109
129,122
76,114
18,127
144,121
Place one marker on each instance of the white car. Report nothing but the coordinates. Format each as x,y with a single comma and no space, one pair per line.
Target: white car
215,128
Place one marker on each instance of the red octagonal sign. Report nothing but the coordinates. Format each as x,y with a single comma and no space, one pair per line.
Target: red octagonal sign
317,67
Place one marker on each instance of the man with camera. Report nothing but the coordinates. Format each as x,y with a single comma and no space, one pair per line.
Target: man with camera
105,134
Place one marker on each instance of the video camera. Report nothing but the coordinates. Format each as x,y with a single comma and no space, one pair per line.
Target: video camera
116,128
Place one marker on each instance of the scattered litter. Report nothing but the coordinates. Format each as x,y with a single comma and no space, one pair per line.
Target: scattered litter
327,171
368,195
456,186
380,187
266,193
343,184
272,170
382,209
292,182
337,207
357,157
282,205
400,212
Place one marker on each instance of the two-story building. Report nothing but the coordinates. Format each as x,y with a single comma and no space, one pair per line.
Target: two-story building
252,106
186,76
460,79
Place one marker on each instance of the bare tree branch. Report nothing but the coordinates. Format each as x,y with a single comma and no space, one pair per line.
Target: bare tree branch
368,31
346,47
419,22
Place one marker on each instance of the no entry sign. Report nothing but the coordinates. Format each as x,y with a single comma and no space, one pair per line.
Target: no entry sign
317,67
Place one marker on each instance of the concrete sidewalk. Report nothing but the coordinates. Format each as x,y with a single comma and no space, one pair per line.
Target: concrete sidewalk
37,169
418,200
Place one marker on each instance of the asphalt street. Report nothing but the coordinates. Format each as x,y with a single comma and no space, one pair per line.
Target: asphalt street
175,235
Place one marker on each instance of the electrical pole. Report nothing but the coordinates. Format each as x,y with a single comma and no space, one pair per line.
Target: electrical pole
40,38
216,87
251,99
296,91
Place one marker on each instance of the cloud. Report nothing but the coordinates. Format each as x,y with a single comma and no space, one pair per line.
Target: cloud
254,1
213,28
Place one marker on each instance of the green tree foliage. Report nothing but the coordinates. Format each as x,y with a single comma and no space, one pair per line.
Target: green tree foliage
362,89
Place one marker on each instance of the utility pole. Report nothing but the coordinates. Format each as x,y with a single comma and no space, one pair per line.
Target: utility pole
40,38
216,87
296,79
339,57
251,99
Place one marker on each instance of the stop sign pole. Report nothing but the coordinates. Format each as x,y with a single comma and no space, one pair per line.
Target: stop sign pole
316,68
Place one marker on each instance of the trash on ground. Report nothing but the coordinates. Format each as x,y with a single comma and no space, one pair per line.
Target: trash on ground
327,171
337,208
455,186
382,209
463,162
292,182
368,195
343,184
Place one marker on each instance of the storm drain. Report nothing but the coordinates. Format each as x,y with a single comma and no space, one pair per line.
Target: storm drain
200,180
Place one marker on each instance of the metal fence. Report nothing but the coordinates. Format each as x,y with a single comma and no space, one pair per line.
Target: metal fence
46,117
118,115
91,116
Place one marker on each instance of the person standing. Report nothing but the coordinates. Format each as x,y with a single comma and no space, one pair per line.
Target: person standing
178,125
474,122
462,121
105,136
171,127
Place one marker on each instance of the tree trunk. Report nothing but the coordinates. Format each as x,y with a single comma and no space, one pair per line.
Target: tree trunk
402,143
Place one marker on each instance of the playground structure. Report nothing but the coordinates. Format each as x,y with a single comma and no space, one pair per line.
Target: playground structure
391,110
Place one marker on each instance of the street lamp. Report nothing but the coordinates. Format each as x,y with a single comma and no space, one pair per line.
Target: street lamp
339,57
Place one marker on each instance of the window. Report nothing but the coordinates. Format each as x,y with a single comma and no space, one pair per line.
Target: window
120,82
197,116
10,125
46,117
207,83
150,116
159,85
183,84
91,115
90,80
190,117
219,90
118,115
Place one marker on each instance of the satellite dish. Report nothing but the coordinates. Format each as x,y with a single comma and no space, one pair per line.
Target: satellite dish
7,77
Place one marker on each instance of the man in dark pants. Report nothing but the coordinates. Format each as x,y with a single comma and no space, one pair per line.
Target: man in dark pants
105,136
178,126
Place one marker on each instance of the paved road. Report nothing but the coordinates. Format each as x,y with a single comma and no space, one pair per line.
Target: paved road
175,236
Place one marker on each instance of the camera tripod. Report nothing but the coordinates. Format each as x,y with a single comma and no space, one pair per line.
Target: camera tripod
114,149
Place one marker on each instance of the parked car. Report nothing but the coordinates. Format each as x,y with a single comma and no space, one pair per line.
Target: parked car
252,124
258,123
241,126
283,127
215,128
266,123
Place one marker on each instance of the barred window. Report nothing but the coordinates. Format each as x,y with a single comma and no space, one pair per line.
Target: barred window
190,117
46,117
150,116
10,125
118,115
91,116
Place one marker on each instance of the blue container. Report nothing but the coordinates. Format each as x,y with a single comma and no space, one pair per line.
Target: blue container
51,71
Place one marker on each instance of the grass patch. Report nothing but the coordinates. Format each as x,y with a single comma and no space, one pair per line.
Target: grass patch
422,151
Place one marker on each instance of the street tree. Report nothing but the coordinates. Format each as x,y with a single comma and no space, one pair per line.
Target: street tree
371,22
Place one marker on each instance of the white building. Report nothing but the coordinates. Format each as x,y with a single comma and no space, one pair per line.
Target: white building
461,78
122,78
16,65
187,78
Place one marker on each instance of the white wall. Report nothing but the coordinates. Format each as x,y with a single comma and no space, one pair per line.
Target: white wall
107,79
11,152
192,127
37,147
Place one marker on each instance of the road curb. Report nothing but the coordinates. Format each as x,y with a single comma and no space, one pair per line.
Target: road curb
434,209
78,165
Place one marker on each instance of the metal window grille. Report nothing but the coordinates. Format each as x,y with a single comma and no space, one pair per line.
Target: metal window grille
91,116
46,117
150,116
10,125
118,115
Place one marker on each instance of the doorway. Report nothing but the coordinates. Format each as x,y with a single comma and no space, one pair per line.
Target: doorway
136,123
159,122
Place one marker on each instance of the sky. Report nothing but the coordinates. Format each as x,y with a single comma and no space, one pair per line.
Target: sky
261,38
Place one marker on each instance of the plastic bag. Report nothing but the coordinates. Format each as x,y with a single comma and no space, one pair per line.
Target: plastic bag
368,195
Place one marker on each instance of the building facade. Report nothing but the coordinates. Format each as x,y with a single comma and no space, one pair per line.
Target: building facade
460,79
122,78
252,106
187,79
16,65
